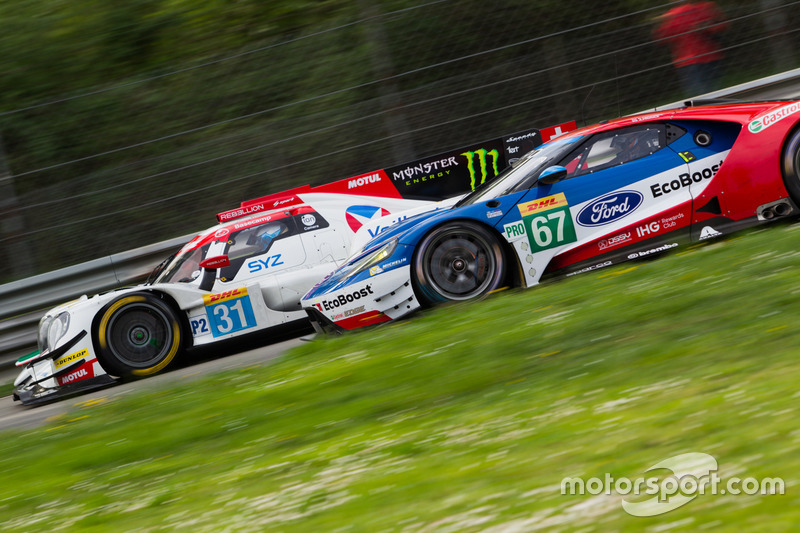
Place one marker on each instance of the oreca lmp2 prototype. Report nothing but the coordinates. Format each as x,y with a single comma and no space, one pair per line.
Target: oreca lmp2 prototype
246,274
630,188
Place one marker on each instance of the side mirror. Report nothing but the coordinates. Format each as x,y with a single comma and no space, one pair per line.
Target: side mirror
552,175
210,266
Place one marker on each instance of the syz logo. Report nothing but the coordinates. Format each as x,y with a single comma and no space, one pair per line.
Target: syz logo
482,156
271,261
610,208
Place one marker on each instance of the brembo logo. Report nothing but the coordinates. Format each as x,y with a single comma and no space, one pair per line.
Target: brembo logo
344,299
610,208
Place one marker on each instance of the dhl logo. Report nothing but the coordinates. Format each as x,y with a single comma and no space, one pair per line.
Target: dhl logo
209,299
71,357
543,204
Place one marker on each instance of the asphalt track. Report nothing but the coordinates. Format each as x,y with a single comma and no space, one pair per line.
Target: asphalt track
14,415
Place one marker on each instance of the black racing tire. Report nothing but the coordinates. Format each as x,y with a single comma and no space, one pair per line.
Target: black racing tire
137,335
790,165
457,261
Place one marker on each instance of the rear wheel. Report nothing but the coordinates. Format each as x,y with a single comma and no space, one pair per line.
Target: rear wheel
457,261
790,165
138,335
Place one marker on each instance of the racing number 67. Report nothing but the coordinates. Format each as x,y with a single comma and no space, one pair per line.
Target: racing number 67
548,230
543,234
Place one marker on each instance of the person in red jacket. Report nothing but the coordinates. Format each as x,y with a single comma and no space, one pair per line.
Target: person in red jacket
691,29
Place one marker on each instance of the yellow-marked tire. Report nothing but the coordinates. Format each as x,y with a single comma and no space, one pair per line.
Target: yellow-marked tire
137,335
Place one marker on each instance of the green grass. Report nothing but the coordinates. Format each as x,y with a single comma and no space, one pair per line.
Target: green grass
465,418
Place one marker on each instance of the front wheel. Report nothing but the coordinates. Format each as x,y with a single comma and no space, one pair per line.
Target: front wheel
457,261
137,335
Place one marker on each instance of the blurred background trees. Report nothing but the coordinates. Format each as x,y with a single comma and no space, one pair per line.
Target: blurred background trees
127,123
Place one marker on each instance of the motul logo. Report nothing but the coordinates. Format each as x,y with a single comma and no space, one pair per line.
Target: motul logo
364,180
75,376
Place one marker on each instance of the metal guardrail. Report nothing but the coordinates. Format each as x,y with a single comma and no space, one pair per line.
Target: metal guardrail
25,301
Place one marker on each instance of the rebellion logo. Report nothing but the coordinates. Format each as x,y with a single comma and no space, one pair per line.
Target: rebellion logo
610,208
481,155
344,299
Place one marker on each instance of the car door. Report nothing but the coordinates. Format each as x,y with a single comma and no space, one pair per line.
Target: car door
603,210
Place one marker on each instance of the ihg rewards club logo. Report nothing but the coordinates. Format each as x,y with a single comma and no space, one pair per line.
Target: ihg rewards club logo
673,483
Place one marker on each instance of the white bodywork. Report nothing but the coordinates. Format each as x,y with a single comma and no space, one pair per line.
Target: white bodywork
270,285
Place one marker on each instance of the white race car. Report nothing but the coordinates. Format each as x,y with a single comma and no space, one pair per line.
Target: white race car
244,275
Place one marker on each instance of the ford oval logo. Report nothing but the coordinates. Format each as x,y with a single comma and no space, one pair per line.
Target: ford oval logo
609,208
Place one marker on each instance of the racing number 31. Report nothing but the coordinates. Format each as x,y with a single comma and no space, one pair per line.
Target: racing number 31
229,311
548,222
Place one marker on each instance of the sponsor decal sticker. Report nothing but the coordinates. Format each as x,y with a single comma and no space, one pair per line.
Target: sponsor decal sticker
547,223
481,156
70,358
354,311
610,208
358,215
396,262
209,299
616,240
344,299
375,270
684,180
84,372
494,214
708,233
308,219
653,251
363,180
257,265
590,268
648,229
765,121
425,169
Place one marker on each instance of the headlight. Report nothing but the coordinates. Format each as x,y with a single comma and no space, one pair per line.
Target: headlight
372,258
51,330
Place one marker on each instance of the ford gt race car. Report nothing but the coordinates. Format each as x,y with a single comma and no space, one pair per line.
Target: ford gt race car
246,274
629,188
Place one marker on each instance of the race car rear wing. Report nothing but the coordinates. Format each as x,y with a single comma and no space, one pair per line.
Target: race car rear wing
434,178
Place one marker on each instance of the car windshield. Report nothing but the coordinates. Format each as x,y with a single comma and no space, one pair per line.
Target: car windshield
184,267
521,173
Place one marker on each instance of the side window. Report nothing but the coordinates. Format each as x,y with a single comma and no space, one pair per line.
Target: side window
250,242
615,148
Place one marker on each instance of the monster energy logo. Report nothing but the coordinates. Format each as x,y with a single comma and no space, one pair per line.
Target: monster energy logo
482,155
